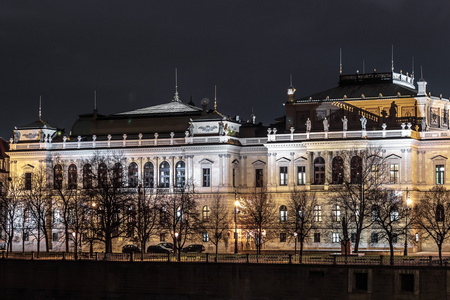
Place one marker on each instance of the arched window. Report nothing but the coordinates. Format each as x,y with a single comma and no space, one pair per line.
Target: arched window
337,176
164,177
205,213
149,177
356,169
394,213
319,170
179,214
57,177
87,176
133,175
440,217
283,213
72,177
102,174
336,213
117,175
181,174
375,213
300,213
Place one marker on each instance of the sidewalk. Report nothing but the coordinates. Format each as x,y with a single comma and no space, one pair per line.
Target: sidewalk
424,253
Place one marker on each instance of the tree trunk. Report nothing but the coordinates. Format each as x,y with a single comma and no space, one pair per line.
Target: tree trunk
67,238
440,253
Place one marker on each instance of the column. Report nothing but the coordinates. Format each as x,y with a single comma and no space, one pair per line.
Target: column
226,170
309,166
403,169
292,174
157,171
220,170
245,170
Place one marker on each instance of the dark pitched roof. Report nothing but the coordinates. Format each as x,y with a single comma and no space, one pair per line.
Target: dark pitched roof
36,125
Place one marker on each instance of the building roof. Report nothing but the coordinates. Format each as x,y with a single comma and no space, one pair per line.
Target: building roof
165,108
368,85
37,125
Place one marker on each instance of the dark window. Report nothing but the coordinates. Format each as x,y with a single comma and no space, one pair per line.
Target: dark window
319,170
316,237
407,282
133,175
353,237
356,169
394,238
337,170
57,177
440,170
283,176
361,281
164,177
87,176
148,175
102,174
162,237
180,171
440,213
374,238
206,177
282,237
72,177
393,174
26,237
259,177
375,213
301,175
117,175
55,236
234,177
28,181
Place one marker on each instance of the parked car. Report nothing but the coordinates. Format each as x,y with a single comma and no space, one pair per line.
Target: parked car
168,246
194,248
131,249
158,249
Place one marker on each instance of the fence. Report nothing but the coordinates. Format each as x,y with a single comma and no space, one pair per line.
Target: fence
333,259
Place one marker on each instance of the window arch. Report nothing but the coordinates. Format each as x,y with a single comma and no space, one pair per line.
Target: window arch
87,176
149,177
102,174
72,177
57,177
164,174
319,170
117,175
283,213
337,176
356,169
440,213
133,175
180,171
205,213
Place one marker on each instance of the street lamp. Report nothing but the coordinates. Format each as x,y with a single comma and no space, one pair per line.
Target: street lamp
236,204
408,203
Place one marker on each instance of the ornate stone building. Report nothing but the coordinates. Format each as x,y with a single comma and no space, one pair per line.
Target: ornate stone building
167,145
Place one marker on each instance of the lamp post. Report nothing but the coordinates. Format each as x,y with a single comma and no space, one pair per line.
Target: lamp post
408,203
236,204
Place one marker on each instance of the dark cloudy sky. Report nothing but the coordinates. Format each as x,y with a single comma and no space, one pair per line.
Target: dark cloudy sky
128,50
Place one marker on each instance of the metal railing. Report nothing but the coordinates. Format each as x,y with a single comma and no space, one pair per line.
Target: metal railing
317,259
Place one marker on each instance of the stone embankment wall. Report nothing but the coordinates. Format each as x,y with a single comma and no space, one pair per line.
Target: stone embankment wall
137,280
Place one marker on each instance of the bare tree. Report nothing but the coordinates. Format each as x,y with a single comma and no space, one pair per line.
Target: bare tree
103,183
354,175
39,202
215,223
179,216
258,217
303,222
10,204
432,215
389,216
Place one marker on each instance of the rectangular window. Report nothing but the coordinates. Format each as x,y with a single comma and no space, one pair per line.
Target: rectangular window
259,178
317,212
407,282
205,237
316,237
375,172
206,177
55,236
283,176
335,237
440,171
28,181
162,237
26,237
282,237
361,281
394,238
353,238
374,238
301,175
393,174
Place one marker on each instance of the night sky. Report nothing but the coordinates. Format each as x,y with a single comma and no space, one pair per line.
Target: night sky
128,52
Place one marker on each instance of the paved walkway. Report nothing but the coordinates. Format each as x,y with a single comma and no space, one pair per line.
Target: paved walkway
428,253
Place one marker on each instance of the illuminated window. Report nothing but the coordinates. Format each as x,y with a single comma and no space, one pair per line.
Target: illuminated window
180,172
393,174
149,176
283,213
301,175
317,212
283,176
394,213
164,175
335,237
440,171
205,237
133,175
205,213
336,213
